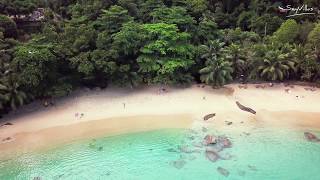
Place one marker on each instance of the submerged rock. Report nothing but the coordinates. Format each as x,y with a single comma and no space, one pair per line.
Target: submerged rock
223,171
204,129
179,163
197,144
209,116
212,155
186,149
191,158
225,142
311,137
172,150
209,139
244,108
215,147
253,168
241,173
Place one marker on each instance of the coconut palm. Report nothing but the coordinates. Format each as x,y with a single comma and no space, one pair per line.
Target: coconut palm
212,50
10,93
217,72
306,64
276,65
235,54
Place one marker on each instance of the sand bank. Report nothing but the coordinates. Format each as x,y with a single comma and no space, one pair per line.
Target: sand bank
116,110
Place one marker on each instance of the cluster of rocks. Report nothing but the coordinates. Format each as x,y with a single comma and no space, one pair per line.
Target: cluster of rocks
214,145
203,142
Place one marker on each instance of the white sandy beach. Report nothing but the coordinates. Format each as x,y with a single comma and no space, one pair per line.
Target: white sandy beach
116,110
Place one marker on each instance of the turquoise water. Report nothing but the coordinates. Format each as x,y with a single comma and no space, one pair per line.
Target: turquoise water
261,155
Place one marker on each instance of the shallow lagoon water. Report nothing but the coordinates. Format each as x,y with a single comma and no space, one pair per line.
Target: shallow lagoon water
265,153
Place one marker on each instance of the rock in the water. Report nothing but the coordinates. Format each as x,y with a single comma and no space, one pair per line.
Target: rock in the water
246,133
204,129
225,142
179,163
223,171
191,137
209,116
100,148
244,108
172,150
216,147
191,158
209,139
311,137
186,149
253,168
212,156
197,144
241,173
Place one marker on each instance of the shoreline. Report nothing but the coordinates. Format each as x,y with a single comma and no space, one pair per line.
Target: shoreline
103,110
59,135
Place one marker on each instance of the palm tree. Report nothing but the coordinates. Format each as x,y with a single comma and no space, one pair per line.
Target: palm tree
235,55
276,65
217,70
306,64
10,92
212,50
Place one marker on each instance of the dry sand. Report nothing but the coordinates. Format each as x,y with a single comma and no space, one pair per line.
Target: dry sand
114,110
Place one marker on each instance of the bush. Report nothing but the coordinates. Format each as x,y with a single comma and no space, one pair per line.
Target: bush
8,26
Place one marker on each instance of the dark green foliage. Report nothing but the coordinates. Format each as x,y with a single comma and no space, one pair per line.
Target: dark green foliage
165,53
313,42
11,94
217,71
8,26
287,33
34,65
173,15
16,7
131,42
273,62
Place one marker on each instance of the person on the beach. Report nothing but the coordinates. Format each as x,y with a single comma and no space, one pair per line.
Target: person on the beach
124,105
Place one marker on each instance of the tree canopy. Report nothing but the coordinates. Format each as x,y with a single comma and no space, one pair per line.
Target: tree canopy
95,43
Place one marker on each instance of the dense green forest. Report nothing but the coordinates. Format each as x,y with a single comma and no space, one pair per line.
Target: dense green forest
96,43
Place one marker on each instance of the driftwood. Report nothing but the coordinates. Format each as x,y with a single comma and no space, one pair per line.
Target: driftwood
244,108
209,116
